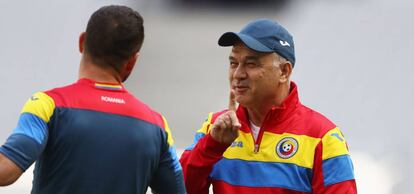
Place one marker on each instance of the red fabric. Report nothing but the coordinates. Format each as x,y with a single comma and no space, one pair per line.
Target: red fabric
346,187
223,187
198,164
72,100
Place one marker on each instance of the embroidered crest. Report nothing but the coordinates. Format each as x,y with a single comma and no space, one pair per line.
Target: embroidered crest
287,147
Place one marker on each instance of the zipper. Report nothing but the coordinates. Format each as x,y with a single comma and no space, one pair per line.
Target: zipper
261,132
258,140
260,135
256,148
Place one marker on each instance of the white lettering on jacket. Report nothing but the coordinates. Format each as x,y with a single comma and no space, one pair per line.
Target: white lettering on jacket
113,100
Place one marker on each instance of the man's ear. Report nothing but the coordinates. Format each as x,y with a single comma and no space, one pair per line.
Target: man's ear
82,42
131,62
286,71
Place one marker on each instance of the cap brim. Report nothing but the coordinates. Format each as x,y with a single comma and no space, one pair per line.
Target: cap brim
231,38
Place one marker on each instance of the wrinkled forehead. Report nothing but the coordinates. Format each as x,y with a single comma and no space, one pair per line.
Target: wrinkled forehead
239,50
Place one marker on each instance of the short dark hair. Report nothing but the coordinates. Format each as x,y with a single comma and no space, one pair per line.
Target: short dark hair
114,33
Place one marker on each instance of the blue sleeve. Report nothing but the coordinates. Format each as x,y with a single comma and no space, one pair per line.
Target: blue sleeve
27,141
168,178
29,138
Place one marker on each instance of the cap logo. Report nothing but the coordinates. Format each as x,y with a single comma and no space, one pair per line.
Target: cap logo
284,43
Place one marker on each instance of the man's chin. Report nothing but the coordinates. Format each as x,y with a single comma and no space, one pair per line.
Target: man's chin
242,100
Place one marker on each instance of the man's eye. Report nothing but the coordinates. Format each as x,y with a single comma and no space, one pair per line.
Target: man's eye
251,64
233,64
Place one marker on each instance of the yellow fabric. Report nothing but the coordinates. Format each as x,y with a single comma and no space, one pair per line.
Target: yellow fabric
333,144
243,148
41,105
168,130
205,128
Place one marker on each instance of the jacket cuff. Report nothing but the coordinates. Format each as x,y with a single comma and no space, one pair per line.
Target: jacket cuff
213,147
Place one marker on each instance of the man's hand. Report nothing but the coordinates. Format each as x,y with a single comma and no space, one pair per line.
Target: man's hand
9,171
226,127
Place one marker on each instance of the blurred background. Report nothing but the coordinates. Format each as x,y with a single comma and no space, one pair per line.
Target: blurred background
354,64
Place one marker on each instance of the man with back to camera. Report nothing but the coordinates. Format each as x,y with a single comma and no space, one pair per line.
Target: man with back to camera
271,143
93,136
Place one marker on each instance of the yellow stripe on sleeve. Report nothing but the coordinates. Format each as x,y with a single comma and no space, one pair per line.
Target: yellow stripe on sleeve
205,128
41,105
333,144
170,139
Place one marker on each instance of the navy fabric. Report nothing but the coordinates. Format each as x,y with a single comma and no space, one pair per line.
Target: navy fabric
263,35
90,152
27,141
22,150
162,181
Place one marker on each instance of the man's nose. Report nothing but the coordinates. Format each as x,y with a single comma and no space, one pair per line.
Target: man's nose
240,72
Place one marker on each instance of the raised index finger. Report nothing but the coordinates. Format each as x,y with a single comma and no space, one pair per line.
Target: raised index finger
232,111
232,101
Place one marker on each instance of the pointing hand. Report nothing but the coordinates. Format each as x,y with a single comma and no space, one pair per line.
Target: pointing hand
226,127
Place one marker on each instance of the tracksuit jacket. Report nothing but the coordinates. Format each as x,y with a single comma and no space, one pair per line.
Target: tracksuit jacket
297,150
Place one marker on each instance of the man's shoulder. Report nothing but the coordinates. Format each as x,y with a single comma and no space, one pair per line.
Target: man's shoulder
316,124
140,110
152,115
60,91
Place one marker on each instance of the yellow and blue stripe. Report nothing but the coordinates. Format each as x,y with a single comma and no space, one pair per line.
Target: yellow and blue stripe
30,136
267,169
263,174
336,165
176,164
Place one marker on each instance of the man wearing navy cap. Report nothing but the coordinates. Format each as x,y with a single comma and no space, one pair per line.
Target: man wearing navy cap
270,143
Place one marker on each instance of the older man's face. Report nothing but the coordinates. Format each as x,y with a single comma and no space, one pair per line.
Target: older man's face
253,76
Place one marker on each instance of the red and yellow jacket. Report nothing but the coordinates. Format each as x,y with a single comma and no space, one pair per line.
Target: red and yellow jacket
298,150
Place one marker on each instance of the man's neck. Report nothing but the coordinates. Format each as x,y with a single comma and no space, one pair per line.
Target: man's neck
89,70
258,112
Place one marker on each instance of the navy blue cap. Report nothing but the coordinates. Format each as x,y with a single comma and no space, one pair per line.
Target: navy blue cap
263,35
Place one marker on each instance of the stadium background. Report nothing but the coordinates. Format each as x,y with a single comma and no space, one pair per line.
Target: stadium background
354,64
